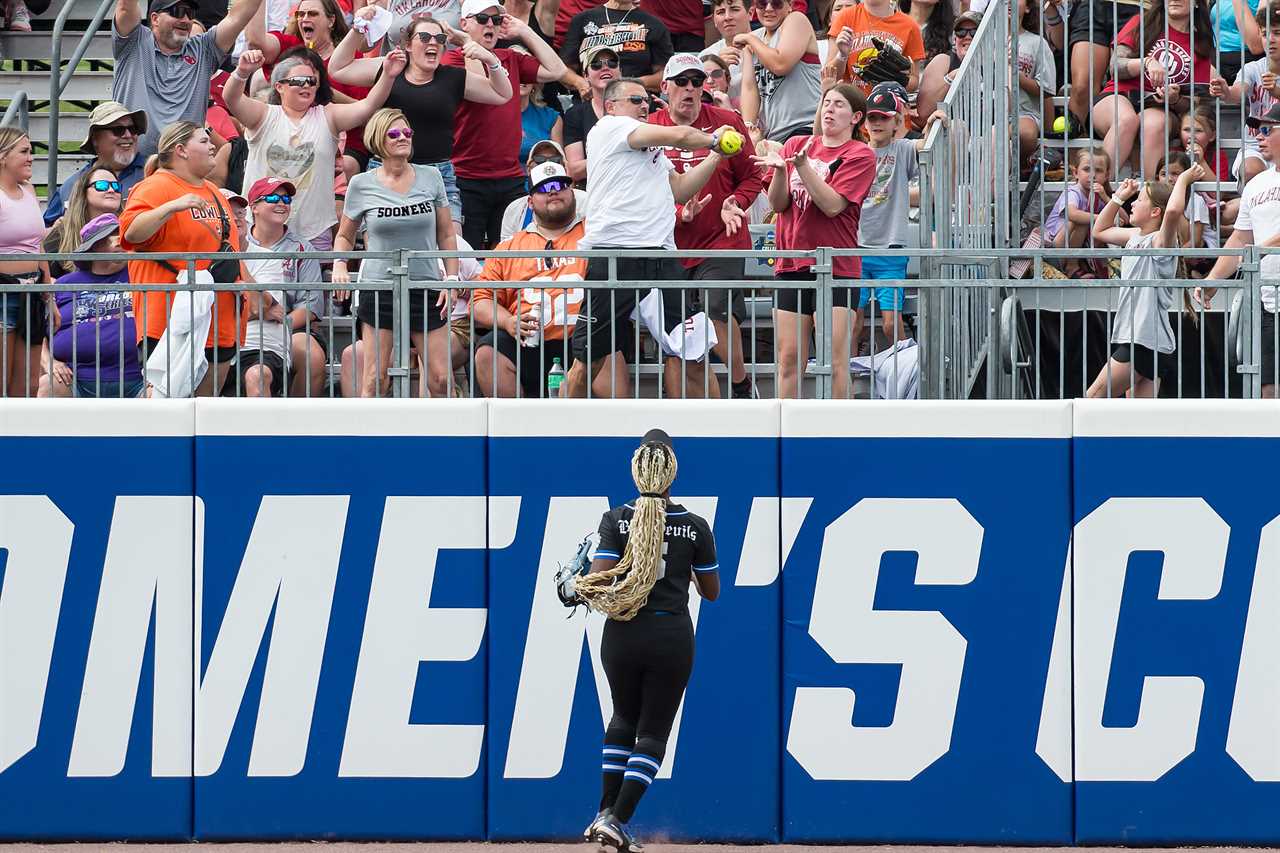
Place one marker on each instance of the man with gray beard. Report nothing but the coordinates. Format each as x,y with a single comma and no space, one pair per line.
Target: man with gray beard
113,141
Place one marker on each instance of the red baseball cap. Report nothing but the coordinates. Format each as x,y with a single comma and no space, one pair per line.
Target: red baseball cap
267,186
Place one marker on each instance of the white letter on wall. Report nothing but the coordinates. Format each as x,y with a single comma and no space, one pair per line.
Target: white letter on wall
845,624
1193,539
401,630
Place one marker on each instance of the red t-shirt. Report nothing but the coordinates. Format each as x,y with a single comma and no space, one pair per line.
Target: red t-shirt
736,176
355,137
1181,64
803,225
680,16
569,8
486,138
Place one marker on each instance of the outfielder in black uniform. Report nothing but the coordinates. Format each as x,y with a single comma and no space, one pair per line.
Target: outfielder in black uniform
650,549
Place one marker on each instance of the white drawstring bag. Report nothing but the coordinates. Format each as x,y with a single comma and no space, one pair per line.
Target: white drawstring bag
690,340
895,372
177,364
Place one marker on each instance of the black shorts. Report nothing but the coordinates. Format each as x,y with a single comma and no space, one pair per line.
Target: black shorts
1146,362
605,326
1097,21
376,309
805,301
533,363
716,303
1270,366
247,362
219,355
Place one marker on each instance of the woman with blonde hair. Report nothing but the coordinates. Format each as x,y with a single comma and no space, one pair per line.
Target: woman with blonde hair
96,192
174,210
22,312
650,550
401,205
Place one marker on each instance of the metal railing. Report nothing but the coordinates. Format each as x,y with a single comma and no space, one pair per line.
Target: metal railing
60,78
1059,338
967,186
16,114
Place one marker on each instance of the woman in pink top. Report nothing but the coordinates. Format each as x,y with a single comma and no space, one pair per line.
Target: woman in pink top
22,313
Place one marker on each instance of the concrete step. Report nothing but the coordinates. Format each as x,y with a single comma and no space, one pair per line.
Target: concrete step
81,10
67,166
84,85
39,45
71,126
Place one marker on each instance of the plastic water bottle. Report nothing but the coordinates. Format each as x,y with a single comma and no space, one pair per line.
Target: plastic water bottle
555,378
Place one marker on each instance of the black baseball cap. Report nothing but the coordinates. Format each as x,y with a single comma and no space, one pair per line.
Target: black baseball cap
1271,116
657,436
165,5
883,103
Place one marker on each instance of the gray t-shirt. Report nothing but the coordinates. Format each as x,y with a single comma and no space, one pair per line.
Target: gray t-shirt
1142,313
788,103
392,221
1035,59
885,209
275,275
170,88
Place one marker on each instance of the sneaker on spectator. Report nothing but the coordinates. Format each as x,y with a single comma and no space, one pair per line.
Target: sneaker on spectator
17,16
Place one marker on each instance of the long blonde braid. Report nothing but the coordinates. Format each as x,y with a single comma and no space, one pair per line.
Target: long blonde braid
622,591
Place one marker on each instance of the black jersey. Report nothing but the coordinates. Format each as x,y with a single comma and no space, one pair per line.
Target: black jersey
687,547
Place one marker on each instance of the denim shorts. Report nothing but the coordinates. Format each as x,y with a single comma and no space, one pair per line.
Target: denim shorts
450,185
107,390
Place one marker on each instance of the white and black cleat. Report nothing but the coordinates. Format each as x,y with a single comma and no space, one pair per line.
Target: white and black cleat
589,832
612,835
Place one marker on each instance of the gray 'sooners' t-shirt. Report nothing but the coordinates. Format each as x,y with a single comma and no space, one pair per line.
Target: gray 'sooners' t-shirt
886,207
170,88
393,221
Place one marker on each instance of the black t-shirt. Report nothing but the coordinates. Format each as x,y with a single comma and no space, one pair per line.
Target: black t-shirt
578,122
430,108
688,546
641,41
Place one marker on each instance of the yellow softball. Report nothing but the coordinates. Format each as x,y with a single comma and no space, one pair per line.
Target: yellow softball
730,143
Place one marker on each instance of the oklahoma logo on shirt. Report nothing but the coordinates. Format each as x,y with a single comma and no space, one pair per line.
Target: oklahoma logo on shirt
1174,58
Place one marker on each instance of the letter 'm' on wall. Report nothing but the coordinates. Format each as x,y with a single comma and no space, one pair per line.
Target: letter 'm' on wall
35,543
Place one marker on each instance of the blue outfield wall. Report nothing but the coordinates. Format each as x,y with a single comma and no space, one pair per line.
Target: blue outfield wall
1016,623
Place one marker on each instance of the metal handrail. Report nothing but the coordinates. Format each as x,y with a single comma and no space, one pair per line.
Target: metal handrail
59,78
16,113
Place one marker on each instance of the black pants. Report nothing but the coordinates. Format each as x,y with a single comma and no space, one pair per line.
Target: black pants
648,662
484,200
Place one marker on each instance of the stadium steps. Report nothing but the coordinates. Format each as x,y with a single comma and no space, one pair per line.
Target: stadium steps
68,164
84,86
38,45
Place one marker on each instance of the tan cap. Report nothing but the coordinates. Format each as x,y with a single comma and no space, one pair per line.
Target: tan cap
106,113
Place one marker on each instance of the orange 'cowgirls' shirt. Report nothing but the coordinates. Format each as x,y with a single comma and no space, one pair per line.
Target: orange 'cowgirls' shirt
565,302
197,230
899,30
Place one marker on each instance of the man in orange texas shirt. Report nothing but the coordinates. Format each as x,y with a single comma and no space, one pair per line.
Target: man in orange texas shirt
874,19
531,326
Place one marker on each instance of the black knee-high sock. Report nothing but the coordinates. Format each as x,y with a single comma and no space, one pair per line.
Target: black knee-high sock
619,740
642,768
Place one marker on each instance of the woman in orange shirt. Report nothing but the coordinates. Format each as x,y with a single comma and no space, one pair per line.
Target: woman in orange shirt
177,209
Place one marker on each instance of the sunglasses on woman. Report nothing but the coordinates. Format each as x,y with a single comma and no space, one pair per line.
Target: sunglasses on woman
428,38
397,132
716,73
103,186
539,159
485,20
299,82
276,198
597,64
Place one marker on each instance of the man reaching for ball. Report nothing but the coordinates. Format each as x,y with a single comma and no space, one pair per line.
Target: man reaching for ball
632,205
715,218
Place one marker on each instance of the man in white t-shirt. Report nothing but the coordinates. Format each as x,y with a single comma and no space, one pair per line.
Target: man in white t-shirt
631,204
1258,223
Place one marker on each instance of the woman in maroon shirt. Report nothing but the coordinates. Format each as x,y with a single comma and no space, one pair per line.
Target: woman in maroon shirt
816,186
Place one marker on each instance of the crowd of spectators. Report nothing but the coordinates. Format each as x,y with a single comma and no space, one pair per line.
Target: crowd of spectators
318,125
